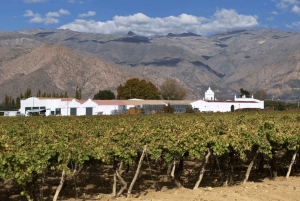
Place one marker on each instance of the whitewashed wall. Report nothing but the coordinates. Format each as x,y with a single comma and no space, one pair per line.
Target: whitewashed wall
223,106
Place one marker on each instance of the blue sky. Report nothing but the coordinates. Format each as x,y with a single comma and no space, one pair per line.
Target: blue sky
145,17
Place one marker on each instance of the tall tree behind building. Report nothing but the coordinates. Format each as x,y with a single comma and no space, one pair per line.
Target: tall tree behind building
171,90
136,88
260,94
104,95
244,92
78,93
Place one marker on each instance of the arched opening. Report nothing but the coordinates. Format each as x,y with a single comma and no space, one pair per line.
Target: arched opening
232,108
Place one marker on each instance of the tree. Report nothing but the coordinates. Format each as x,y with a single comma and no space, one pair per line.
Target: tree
244,92
168,108
27,93
136,88
78,93
104,95
189,109
18,102
275,105
39,93
6,101
260,94
171,90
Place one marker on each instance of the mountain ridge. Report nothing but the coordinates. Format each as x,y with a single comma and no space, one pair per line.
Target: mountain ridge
249,59
53,67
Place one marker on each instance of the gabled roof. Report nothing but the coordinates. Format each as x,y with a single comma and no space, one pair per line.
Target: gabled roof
71,99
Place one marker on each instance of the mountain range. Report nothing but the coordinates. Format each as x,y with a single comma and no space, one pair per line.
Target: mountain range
60,60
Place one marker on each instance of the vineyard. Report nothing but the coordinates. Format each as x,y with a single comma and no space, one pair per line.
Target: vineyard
128,154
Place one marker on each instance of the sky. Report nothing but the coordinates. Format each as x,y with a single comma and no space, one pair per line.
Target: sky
150,17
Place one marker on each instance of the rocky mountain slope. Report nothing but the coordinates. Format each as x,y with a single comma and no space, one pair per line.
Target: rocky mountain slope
53,67
249,59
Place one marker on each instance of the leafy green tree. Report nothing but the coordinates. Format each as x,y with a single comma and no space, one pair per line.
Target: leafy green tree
275,105
171,90
244,92
104,95
136,88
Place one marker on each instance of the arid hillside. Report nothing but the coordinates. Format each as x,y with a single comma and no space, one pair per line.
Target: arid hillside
251,59
53,67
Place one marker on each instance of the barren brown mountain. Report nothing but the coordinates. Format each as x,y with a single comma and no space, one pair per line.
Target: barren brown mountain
251,59
53,67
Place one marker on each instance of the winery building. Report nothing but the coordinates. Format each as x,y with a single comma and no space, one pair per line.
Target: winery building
72,106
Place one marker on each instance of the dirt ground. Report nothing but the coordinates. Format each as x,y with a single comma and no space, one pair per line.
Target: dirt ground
281,189
89,183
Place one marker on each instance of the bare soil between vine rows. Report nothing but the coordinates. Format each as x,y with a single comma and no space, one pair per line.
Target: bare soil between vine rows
94,185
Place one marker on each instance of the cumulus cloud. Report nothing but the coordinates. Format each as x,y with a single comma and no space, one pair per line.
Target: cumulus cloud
28,13
35,1
49,18
222,20
53,14
284,4
64,12
88,14
57,14
296,9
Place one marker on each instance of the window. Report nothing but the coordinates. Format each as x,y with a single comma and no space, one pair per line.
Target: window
27,108
73,111
57,111
89,111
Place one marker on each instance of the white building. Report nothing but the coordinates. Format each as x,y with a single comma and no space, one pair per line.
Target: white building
54,106
211,104
72,106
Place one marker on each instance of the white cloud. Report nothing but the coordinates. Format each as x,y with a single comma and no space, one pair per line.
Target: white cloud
296,9
274,13
88,14
284,4
35,1
57,14
64,12
294,25
50,17
222,20
53,14
28,13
